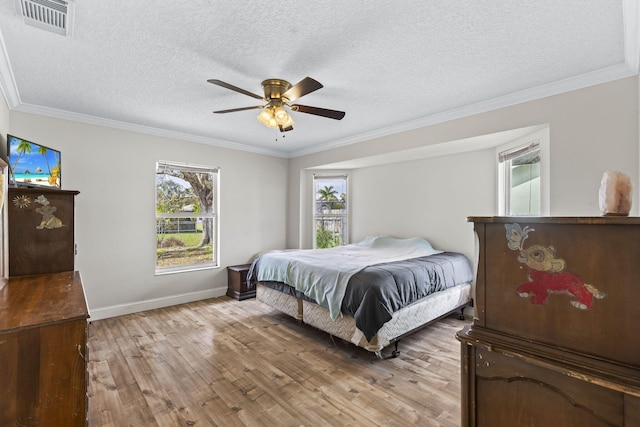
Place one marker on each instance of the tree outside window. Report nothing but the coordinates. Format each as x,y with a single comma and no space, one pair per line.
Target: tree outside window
330,211
186,217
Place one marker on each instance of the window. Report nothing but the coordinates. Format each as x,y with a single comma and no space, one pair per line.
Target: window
330,211
520,180
186,217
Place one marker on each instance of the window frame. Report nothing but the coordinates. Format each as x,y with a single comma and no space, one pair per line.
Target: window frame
345,216
213,215
506,154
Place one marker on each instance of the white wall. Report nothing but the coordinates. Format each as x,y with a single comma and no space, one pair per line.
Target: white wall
591,130
430,198
114,170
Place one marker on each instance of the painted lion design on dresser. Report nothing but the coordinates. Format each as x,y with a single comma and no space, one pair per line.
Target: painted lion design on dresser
49,220
546,272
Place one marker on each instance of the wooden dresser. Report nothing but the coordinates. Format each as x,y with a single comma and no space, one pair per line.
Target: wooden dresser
43,312
555,338
43,351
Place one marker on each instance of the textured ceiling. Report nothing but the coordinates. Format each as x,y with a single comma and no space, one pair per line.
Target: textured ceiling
392,66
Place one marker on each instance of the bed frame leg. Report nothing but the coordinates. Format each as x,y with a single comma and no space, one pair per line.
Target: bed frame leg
395,353
461,316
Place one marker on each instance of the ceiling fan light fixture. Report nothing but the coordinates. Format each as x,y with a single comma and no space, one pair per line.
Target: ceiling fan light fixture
281,115
267,117
288,124
274,116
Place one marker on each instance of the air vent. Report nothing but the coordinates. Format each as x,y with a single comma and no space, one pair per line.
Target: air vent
51,15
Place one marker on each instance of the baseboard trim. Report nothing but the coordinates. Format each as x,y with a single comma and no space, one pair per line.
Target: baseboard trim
135,307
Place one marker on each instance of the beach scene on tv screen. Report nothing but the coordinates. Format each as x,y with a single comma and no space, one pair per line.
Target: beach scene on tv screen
34,164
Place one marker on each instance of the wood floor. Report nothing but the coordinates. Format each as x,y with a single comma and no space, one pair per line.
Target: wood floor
223,362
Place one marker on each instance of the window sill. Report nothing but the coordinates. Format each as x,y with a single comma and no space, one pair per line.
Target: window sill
186,269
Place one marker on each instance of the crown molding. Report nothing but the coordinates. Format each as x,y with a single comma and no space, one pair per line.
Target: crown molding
147,130
631,16
593,78
7,79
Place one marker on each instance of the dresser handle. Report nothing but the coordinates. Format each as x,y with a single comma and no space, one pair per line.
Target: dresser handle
80,351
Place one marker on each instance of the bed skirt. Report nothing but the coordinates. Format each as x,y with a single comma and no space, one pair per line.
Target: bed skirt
404,321
288,304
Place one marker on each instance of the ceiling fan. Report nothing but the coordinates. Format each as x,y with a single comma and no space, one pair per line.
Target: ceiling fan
279,94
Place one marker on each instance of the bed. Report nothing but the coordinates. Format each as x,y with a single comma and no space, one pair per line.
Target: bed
371,293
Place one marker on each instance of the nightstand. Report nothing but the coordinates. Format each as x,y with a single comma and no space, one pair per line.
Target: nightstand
238,287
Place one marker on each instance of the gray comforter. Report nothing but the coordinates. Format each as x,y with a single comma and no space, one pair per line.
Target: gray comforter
376,292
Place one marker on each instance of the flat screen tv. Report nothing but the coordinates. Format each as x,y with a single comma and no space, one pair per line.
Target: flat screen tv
32,165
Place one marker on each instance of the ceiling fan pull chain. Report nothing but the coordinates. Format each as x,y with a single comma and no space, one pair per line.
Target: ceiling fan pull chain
282,134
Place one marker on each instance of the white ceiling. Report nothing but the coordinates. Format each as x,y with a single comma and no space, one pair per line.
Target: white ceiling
143,65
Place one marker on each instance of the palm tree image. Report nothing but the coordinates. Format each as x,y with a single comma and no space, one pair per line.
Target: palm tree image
23,147
43,151
26,157
54,174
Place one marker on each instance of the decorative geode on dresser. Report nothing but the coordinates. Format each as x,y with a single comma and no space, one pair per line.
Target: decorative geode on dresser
615,194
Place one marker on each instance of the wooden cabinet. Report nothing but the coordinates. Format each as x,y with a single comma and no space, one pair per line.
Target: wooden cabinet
40,234
238,287
43,351
554,338
43,312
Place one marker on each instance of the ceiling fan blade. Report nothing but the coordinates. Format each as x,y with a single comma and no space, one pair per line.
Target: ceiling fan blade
233,110
302,88
324,112
235,88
